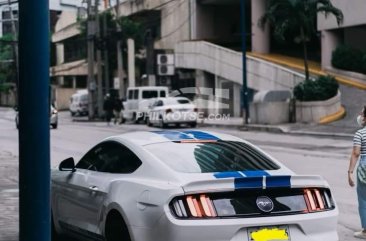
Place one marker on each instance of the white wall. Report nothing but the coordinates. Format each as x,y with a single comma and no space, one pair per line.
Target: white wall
60,5
227,64
175,24
353,11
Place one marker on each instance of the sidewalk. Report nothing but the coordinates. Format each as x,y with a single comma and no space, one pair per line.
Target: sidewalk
335,129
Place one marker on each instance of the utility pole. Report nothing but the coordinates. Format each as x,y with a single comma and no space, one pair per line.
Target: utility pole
90,38
99,63
15,48
244,50
106,52
150,58
34,121
120,57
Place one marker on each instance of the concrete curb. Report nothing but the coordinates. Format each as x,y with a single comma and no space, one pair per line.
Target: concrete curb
334,117
279,130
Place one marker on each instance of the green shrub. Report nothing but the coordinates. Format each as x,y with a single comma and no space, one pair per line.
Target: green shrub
348,58
323,88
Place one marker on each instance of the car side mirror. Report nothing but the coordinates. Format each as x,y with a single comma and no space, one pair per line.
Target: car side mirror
67,165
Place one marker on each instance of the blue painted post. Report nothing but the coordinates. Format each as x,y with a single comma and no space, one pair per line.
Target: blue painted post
34,127
244,50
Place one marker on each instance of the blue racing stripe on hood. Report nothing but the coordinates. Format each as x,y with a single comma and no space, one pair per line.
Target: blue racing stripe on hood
186,135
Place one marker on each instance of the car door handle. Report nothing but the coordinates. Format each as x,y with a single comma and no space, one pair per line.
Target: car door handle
94,188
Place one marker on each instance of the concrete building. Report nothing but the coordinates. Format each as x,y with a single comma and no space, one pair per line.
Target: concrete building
56,7
352,32
204,37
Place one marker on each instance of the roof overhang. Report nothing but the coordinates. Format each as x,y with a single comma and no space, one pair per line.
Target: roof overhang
75,68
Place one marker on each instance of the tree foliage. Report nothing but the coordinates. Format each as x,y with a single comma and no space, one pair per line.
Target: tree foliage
298,17
323,88
7,70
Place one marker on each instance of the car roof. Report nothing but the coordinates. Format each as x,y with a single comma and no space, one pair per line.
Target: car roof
148,88
143,138
172,98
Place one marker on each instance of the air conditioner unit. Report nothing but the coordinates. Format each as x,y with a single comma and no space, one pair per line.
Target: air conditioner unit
164,70
166,59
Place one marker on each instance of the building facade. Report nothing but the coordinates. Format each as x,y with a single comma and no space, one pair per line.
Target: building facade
191,31
351,32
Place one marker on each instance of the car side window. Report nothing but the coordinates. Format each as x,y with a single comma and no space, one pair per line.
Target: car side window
111,157
130,94
119,159
92,160
162,93
136,94
160,103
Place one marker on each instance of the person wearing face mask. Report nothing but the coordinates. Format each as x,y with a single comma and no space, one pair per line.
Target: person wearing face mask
359,154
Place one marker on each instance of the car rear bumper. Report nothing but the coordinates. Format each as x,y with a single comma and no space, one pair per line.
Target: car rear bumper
180,117
304,227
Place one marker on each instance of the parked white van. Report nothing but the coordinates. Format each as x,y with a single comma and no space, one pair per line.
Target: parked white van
79,103
139,99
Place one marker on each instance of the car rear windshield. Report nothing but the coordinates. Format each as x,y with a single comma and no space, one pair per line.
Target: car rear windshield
183,101
220,156
147,94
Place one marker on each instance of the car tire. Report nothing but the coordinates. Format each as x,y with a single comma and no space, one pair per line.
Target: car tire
55,236
116,228
72,113
148,123
135,119
193,124
162,124
54,126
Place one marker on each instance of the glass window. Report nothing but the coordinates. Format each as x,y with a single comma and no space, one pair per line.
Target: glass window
120,159
183,101
220,156
159,103
135,94
111,157
91,160
130,94
162,93
147,94
84,98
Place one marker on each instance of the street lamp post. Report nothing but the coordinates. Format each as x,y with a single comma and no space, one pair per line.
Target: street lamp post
34,125
244,50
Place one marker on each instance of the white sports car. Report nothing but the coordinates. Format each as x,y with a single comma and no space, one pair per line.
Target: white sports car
187,186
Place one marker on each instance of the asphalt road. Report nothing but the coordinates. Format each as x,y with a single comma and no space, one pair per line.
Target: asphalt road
304,154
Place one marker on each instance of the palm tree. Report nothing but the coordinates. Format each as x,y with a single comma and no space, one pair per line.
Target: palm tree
299,17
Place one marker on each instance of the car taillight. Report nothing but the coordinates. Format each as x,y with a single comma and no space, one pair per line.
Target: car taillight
317,200
169,111
194,206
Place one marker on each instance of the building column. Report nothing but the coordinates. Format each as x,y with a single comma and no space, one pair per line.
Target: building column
206,87
260,37
330,41
131,63
60,59
74,82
